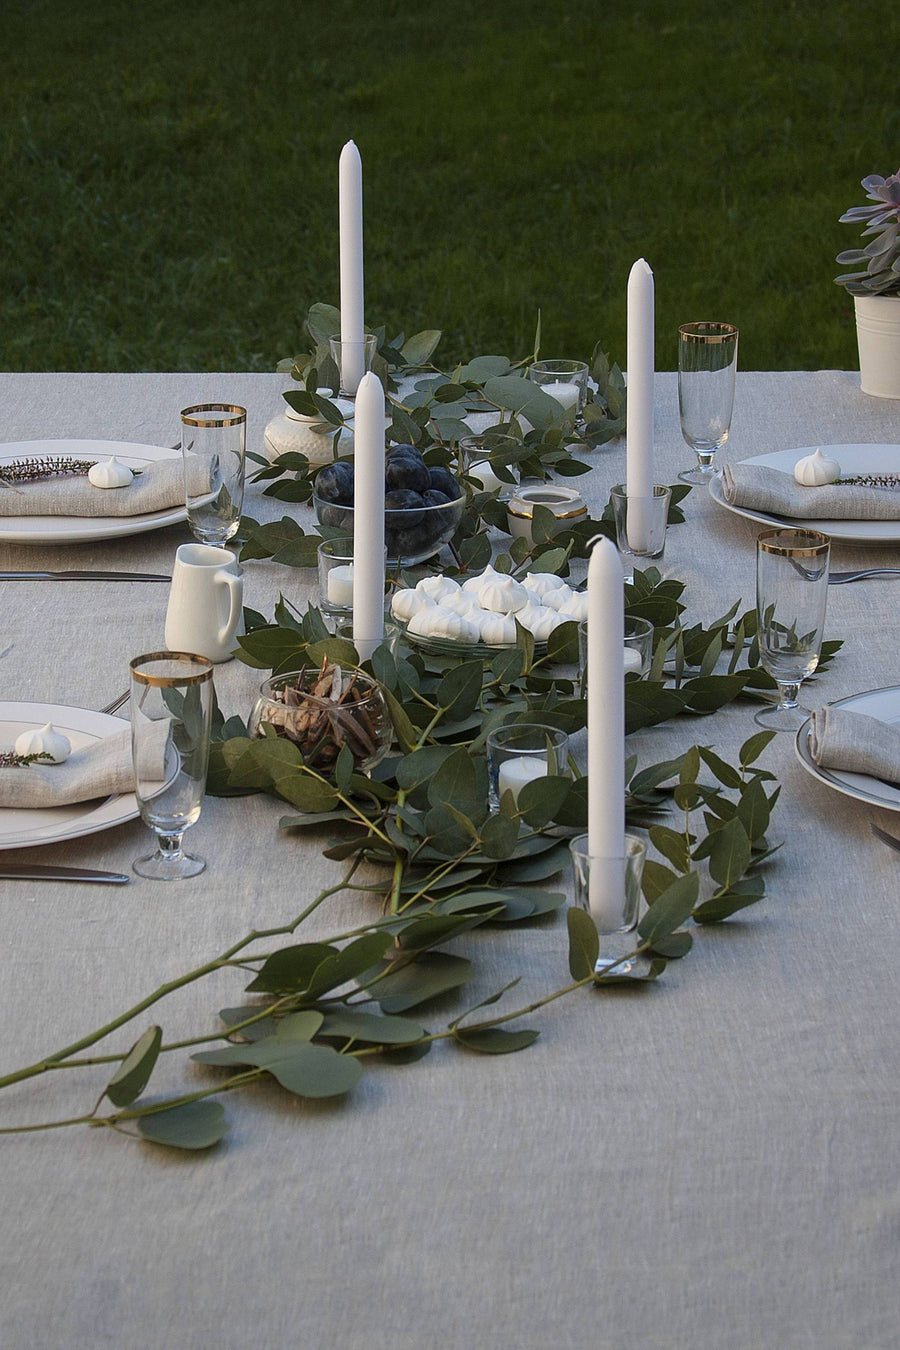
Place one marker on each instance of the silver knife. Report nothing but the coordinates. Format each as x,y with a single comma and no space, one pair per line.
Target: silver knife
82,576
39,872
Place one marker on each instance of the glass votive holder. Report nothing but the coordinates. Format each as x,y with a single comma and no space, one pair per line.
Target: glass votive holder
641,521
475,458
336,576
519,753
352,359
610,890
566,381
637,648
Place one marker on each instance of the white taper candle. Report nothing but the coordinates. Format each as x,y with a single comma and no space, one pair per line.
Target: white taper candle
639,433
606,732
351,237
368,516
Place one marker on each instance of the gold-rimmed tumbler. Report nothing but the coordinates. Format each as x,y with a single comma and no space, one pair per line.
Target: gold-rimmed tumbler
707,364
213,448
791,595
171,708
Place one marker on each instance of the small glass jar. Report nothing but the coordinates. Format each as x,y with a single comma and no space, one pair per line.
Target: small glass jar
321,711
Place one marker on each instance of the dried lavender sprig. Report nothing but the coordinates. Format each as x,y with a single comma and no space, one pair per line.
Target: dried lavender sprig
10,760
889,481
39,467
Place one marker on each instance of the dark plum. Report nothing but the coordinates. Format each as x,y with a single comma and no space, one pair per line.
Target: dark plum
406,472
402,499
337,517
334,483
442,480
434,498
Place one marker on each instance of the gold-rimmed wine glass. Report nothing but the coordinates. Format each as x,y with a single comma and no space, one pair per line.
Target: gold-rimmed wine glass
707,363
791,595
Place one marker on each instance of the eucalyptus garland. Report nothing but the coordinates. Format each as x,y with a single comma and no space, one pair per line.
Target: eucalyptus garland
416,840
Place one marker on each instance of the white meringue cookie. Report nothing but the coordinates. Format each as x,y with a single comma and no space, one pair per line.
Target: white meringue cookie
438,588
540,620
576,607
474,584
110,473
816,470
406,603
498,628
559,597
461,601
542,583
503,595
426,621
44,741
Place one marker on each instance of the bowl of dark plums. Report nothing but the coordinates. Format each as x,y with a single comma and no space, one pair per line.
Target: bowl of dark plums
422,505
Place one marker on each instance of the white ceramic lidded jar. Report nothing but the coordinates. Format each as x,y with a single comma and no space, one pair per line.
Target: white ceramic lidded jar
297,432
565,503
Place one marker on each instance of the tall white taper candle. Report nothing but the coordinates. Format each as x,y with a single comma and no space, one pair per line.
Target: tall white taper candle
368,516
606,735
639,434
351,235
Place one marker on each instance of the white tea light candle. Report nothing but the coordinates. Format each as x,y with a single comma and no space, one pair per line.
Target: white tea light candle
633,662
515,773
340,585
564,393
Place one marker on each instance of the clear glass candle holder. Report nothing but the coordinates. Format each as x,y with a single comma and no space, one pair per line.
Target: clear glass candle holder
610,890
637,651
641,521
335,561
323,710
565,381
353,360
519,753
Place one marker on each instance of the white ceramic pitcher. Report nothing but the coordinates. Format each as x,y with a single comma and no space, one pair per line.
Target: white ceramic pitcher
205,612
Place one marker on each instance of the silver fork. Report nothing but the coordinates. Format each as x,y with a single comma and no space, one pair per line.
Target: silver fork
838,578
117,703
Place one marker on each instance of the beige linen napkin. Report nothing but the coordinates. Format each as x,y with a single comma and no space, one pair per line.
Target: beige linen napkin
760,488
97,770
851,741
159,486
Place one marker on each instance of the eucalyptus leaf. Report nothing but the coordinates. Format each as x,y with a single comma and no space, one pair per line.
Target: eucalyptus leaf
584,943
494,1040
428,977
290,970
671,909
133,1074
371,1028
193,1125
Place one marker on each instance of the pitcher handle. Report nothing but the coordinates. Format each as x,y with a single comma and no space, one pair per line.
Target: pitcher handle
235,599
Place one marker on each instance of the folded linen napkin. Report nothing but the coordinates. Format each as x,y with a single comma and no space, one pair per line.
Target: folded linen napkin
856,743
97,770
760,488
157,487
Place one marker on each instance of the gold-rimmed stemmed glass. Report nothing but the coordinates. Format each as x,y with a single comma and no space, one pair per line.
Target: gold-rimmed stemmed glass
791,595
171,710
213,448
707,362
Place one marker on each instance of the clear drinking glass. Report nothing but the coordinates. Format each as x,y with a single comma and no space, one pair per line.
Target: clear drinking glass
791,594
213,444
610,890
171,706
566,381
707,362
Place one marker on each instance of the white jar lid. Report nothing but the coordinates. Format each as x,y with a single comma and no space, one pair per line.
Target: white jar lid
565,503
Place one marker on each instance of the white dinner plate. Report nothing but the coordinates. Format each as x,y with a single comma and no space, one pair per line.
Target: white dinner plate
853,459
80,529
883,704
22,829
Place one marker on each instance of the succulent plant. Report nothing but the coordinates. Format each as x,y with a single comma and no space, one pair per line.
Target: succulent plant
881,257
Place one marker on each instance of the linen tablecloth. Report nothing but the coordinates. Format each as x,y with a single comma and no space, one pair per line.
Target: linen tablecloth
711,1162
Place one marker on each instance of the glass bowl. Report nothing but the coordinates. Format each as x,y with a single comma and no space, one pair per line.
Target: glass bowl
320,711
410,536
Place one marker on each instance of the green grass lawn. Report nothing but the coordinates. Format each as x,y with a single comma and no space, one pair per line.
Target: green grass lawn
168,186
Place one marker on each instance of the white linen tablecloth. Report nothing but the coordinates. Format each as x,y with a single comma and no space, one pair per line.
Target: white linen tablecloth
710,1163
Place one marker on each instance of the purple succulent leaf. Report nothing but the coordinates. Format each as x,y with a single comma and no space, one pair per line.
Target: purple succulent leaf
873,183
850,257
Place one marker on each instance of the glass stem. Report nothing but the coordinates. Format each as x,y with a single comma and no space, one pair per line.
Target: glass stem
170,845
788,693
706,460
